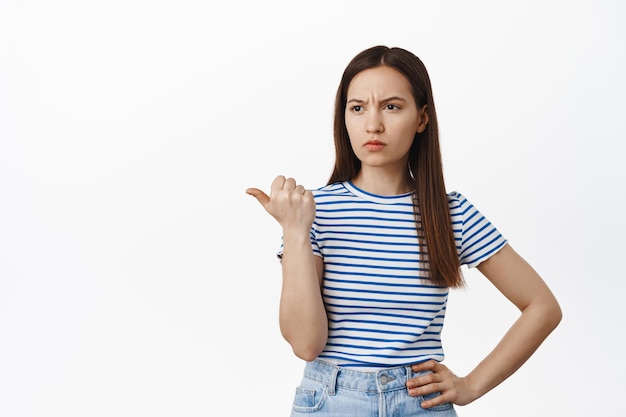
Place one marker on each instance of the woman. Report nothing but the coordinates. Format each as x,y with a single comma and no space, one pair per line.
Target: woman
368,259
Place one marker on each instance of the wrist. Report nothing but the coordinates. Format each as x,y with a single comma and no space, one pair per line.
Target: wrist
296,237
474,387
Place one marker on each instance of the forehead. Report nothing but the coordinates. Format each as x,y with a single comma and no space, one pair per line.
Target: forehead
380,81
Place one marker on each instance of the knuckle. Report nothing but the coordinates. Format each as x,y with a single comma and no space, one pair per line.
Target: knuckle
426,365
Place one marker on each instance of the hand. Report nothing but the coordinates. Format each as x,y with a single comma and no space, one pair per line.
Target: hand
290,204
453,389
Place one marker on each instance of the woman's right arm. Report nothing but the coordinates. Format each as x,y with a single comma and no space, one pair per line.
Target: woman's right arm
302,316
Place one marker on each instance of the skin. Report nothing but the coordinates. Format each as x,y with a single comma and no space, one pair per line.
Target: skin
302,315
381,108
540,314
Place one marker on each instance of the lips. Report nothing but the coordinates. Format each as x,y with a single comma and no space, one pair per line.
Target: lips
374,145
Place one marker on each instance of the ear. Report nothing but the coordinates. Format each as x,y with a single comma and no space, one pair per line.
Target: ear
422,120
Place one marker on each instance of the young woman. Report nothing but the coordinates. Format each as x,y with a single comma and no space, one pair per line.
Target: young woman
368,259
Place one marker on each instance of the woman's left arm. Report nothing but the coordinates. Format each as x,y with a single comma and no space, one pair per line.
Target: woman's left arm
540,314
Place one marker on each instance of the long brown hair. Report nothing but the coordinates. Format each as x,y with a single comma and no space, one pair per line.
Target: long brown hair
430,202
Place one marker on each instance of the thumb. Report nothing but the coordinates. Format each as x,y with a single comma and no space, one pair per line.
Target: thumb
259,195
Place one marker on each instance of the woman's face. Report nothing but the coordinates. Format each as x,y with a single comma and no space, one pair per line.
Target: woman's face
382,118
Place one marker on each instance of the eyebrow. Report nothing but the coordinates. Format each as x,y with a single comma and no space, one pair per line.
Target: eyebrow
386,100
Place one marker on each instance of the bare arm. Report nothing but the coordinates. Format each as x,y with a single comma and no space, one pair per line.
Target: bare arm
540,314
302,316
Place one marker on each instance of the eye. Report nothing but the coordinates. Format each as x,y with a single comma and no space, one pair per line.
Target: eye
392,107
356,108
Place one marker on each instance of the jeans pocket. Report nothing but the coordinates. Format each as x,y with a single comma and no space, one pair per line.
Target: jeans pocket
310,396
440,407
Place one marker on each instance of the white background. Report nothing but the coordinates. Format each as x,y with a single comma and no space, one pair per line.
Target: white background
138,279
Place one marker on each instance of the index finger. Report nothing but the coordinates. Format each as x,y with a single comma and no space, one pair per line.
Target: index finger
428,365
278,183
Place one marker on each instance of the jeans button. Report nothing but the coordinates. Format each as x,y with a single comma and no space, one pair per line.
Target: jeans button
385,379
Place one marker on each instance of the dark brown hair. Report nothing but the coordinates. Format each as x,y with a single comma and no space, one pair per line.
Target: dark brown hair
430,202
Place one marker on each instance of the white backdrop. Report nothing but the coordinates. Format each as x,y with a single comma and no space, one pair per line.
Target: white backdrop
138,279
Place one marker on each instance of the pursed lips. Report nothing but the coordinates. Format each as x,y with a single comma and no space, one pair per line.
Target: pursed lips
374,145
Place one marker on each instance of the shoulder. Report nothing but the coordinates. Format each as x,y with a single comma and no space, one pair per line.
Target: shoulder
457,202
329,191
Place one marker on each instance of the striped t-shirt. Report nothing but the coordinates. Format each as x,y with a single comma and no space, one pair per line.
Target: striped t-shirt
382,309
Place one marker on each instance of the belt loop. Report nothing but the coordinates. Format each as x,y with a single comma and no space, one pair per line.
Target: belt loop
409,372
333,380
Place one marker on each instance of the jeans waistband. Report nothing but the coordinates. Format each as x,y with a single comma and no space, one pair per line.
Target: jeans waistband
376,381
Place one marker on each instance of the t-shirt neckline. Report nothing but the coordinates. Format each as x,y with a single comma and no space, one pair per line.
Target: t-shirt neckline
380,199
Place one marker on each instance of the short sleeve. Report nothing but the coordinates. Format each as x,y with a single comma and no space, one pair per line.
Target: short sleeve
476,238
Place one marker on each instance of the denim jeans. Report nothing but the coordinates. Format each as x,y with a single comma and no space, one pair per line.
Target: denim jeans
327,390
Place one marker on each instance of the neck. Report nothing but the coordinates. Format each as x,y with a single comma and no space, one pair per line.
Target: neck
383,182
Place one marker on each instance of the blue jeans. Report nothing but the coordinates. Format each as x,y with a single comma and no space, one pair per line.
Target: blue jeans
327,390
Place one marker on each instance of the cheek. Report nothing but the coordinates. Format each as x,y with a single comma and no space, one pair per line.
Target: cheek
409,132
351,126
354,145
408,137
353,132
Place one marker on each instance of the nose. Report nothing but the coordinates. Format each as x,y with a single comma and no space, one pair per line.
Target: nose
374,122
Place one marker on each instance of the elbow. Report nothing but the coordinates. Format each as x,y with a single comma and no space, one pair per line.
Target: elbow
552,314
556,315
308,344
308,350
306,355
545,313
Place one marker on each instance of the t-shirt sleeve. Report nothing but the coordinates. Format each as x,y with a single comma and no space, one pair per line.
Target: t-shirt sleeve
476,238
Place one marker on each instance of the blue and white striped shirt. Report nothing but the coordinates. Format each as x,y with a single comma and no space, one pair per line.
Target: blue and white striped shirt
382,309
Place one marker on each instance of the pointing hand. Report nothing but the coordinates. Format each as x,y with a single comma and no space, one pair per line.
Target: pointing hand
291,205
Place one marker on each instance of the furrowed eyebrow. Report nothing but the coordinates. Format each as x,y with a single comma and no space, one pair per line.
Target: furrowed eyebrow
395,98
386,100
